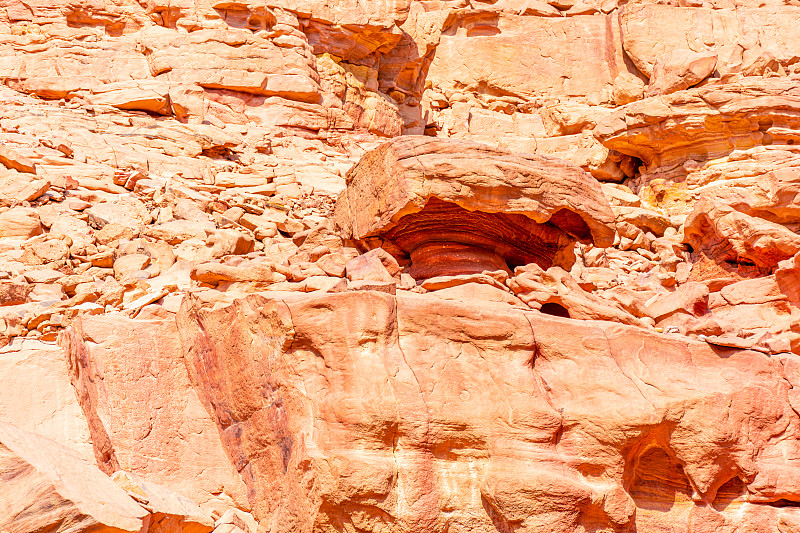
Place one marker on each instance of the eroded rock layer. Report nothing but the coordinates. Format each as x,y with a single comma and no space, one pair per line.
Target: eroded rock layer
439,201
460,416
399,266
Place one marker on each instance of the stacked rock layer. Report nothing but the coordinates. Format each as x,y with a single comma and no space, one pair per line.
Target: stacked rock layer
451,266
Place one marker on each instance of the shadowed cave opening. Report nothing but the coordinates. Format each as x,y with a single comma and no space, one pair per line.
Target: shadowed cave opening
554,309
659,481
783,502
734,493
730,492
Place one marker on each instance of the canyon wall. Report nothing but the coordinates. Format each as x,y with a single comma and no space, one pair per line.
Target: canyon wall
397,266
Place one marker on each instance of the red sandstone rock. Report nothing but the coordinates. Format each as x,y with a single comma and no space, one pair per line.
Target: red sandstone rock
690,297
204,143
13,160
460,208
371,267
18,187
555,292
704,446
741,244
143,415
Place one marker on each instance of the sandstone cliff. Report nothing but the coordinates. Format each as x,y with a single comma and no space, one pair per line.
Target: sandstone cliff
399,266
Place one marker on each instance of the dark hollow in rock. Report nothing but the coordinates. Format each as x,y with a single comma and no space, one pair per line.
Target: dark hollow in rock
445,239
554,309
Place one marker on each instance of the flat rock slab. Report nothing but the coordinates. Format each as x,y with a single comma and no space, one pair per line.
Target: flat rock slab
48,487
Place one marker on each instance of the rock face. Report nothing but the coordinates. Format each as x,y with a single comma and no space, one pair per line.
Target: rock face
473,417
399,266
455,207
46,487
144,416
30,365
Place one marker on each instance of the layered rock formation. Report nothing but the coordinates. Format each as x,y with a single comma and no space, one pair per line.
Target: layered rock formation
400,266
461,208
380,412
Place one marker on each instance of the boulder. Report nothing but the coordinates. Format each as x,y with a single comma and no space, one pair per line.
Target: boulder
177,231
372,266
14,291
455,207
215,273
627,88
126,211
20,222
128,265
151,96
691,298
556,292
19,187
680,69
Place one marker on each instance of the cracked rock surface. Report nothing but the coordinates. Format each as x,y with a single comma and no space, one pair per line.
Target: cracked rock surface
447,266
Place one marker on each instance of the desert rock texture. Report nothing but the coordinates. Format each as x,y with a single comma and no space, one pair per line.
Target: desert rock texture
399,266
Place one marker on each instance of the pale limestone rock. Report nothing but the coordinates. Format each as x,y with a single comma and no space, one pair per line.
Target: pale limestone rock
128,265
19,222
627,88
171,511
215,273
474,52
18,187
125,211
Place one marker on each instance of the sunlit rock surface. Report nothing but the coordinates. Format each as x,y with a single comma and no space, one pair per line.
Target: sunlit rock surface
399,266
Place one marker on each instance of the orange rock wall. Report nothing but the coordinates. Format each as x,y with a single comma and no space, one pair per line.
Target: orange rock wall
399,266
